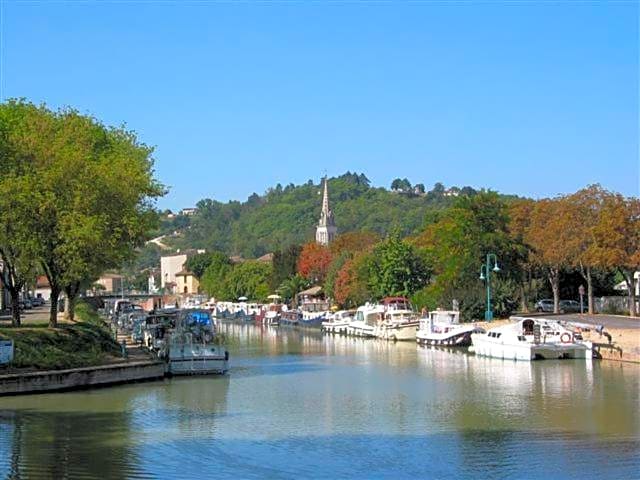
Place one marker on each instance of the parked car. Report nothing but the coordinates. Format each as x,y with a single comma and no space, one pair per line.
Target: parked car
545,305
37,302
569,306
27,304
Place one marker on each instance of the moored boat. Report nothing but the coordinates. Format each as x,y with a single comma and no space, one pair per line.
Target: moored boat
365,320
529,339
194,347
443,327
338,322
399,321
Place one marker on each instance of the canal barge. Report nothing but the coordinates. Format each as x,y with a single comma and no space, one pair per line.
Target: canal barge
194,347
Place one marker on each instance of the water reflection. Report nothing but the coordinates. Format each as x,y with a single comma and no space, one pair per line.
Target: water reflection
299,404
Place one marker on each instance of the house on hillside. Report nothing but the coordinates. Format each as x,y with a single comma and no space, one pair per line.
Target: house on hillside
111,282
171,265
187,283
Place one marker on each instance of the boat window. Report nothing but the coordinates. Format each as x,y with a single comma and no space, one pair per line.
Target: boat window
527,326
498,335
522,338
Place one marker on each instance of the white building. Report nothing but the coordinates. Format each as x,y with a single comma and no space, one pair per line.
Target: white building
326,230
169,266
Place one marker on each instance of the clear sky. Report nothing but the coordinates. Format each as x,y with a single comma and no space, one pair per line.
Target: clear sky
532,98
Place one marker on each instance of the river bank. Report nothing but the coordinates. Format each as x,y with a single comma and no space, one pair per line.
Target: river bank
73,356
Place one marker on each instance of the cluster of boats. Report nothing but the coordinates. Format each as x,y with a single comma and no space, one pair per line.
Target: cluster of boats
186,339
394,319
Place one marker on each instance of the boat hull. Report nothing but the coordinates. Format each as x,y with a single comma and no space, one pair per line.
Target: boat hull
198,361
398,332
526,351
456,338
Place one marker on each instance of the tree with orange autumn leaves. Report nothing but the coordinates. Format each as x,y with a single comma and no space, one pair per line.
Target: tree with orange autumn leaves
314,262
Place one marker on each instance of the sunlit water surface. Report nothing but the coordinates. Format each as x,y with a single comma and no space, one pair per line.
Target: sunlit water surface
298,405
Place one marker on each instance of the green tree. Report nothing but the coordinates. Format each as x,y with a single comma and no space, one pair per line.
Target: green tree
93,189
197,264
249,279
396,268
18,261
214,279
455,246
291,286
284,264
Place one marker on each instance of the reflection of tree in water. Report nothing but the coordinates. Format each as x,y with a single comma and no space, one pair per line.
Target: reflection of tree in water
67,445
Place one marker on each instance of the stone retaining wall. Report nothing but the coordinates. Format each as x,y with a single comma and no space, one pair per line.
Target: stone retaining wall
76,378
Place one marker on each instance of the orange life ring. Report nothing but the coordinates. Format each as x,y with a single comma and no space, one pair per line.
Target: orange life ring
568,337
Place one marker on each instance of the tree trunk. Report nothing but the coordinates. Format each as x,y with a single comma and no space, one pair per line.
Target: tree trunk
554,280
71,292
15,306
590,291
586,274
631,291
53,312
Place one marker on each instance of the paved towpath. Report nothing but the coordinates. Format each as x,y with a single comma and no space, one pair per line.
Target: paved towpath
609,321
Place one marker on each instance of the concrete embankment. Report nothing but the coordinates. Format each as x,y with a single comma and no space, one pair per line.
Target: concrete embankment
77,378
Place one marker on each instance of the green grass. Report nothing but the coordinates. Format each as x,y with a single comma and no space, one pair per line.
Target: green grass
69,346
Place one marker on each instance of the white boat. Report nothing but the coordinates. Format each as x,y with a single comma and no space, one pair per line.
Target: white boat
528,339
338,322
365,320
443,327
399,321
193,347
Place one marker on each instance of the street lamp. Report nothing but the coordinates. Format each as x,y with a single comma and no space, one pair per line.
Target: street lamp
485,274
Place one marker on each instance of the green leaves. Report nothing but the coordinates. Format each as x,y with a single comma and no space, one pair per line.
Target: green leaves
87,191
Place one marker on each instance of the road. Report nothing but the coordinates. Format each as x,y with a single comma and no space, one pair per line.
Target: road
609,321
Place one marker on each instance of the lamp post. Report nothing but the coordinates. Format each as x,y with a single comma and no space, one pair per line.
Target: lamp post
485,274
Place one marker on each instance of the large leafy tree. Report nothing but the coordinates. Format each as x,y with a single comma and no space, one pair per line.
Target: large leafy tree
197,264
352,281
454,247
551,240
214,279
314,261
249,279
582,214
18,261
396,268
285,263
92,188
617,240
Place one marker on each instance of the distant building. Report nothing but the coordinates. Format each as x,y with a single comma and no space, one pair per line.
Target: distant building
187,283
43,288
326,230
188,211
169,267
111,282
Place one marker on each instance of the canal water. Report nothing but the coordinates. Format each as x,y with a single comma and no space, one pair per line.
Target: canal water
300,405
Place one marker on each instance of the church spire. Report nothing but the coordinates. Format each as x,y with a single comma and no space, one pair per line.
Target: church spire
325,200
326,230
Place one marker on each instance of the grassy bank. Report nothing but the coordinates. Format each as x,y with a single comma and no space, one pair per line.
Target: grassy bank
86,343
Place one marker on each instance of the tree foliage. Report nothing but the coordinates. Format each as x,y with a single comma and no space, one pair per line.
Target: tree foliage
91,191
314,261
396,269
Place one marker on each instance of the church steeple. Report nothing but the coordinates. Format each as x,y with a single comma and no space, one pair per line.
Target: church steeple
326,230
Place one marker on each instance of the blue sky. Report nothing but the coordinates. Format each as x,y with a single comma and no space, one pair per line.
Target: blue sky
532,98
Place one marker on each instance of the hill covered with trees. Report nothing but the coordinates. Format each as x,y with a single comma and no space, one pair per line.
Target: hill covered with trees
288,215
